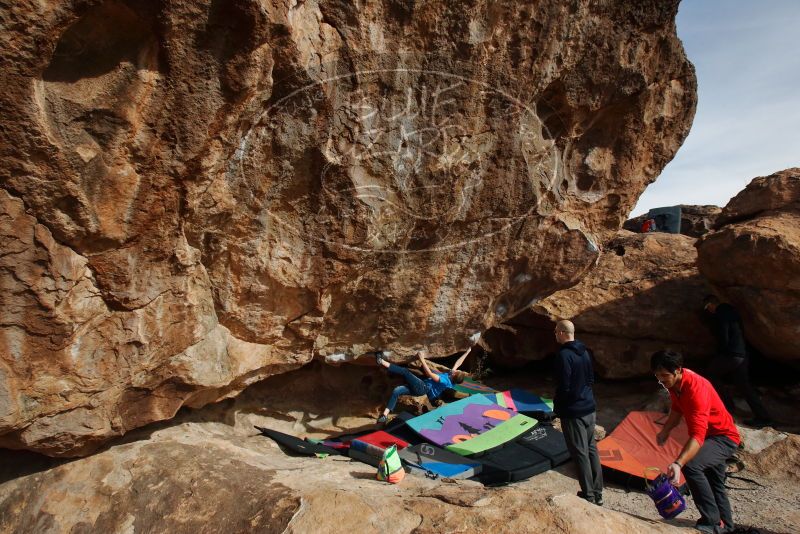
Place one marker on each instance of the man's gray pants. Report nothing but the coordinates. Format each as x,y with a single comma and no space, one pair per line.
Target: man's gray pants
705,475
579,434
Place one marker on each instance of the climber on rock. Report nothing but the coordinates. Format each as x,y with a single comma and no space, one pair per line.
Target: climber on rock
433,385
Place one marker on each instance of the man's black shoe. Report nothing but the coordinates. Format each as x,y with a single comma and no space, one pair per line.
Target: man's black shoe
705,527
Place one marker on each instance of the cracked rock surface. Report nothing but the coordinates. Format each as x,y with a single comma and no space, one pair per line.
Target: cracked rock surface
197,195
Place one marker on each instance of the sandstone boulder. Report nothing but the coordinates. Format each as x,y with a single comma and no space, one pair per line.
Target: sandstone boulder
765,194
199,194
753,261
645,295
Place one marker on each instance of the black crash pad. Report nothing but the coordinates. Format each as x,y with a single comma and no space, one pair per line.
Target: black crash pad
548,442
296,444
510,463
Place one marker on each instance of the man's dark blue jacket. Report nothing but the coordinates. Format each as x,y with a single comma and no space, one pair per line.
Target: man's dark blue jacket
574,376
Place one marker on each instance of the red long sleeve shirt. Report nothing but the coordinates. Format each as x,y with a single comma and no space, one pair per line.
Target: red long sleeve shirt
703,410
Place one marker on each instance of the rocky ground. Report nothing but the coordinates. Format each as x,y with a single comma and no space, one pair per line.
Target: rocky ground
208,471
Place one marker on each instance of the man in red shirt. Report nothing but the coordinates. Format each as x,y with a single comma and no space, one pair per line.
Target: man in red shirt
713,438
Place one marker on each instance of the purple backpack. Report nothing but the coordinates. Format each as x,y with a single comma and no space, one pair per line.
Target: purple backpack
668,500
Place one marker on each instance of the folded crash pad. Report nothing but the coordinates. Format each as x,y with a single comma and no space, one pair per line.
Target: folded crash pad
376,442
503,433
522,401
548,442
364,457
471,387
631,448
510,463
433,459
369,448
471,425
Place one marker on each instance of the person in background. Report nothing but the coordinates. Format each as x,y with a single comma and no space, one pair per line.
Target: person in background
574,404
731,364
649,225
713,438
433,385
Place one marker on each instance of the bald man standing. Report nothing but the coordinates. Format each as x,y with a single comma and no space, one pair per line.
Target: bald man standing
574,404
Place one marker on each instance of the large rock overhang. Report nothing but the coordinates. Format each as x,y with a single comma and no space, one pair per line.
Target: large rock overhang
197,195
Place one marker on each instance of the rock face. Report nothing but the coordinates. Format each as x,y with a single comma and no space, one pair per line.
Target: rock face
196,195
645,295
753,261
696,221
152,487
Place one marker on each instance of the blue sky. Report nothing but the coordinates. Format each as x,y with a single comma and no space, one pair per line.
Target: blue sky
747,57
